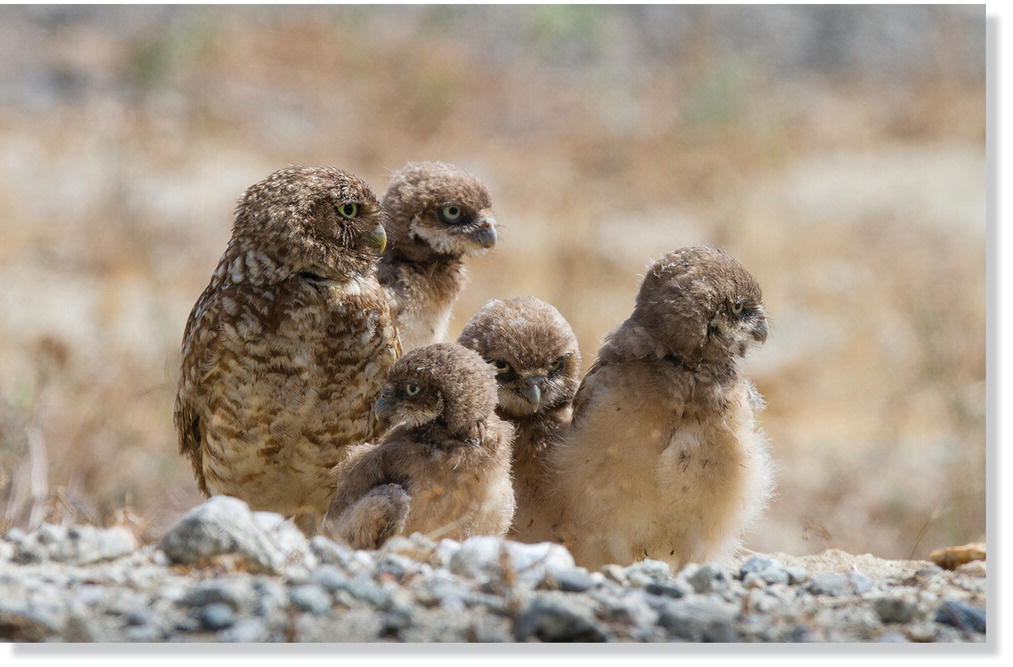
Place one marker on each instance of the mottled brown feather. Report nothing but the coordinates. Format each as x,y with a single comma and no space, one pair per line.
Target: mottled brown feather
287,347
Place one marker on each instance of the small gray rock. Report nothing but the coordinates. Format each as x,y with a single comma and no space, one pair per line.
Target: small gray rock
652,569
481,556
797,575
217,616
233,593
138,617
366,590
246,630
573,580
222,525
311,598
754,580
28,552
672,588
632,609
87,544
553,619
894,609
396,565
835,583
614,573
698,620
961,616
705,578
142,634
49,533
329,577
330,552
757,563
15,536
272,597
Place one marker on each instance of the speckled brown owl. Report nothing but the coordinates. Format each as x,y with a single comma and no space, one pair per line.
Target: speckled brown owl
537,363
437,215
444,467
664,459
288,346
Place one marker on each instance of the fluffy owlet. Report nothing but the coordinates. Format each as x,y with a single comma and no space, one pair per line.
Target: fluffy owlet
537,363
437,215
288,346
444,467
664,459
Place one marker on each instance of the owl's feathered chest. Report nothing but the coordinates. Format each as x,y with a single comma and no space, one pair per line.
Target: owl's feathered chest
422,296
288,383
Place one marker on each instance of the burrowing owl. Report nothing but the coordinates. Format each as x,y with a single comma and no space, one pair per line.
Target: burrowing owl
286,349
437,214
664,458
537,362
444,467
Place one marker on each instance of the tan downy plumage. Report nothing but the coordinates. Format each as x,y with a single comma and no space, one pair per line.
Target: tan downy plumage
664,458
437,214
537,362
443,469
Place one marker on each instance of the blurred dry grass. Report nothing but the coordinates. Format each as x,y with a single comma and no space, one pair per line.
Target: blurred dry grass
837,152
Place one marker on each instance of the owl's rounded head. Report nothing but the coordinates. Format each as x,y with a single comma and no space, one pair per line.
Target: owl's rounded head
533,350
435,209
701,304
444,383
319,220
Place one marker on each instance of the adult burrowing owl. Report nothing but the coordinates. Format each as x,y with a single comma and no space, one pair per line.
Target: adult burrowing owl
437,214
664,459
286,349
537,362
443,469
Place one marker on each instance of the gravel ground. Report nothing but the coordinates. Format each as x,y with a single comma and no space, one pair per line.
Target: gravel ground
224,573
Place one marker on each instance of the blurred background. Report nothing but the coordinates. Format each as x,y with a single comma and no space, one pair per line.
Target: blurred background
837,151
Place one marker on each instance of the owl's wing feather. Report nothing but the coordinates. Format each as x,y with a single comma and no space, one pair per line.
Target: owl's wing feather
587,388
202,348
375,517
366,467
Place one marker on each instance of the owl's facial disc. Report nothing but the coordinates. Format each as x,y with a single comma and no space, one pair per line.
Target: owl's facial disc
455,229
408,402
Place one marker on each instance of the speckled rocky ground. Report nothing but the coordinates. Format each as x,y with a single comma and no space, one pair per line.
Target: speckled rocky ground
224,573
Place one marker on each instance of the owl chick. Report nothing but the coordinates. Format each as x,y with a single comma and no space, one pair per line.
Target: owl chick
437,215
537,362
288,346
664,459
444,467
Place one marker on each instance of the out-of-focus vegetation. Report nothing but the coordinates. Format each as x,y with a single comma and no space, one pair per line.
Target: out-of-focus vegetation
837,151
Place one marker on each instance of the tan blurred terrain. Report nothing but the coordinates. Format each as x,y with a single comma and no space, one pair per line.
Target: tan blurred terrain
838,152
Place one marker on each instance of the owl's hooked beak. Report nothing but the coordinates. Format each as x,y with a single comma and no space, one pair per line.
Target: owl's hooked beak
377,239
384,409
760,330
485,235
532,392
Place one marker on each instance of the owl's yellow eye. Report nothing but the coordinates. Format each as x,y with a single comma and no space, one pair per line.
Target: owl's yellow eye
411,389
451,214
556,365
737,307
501,367
350,210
